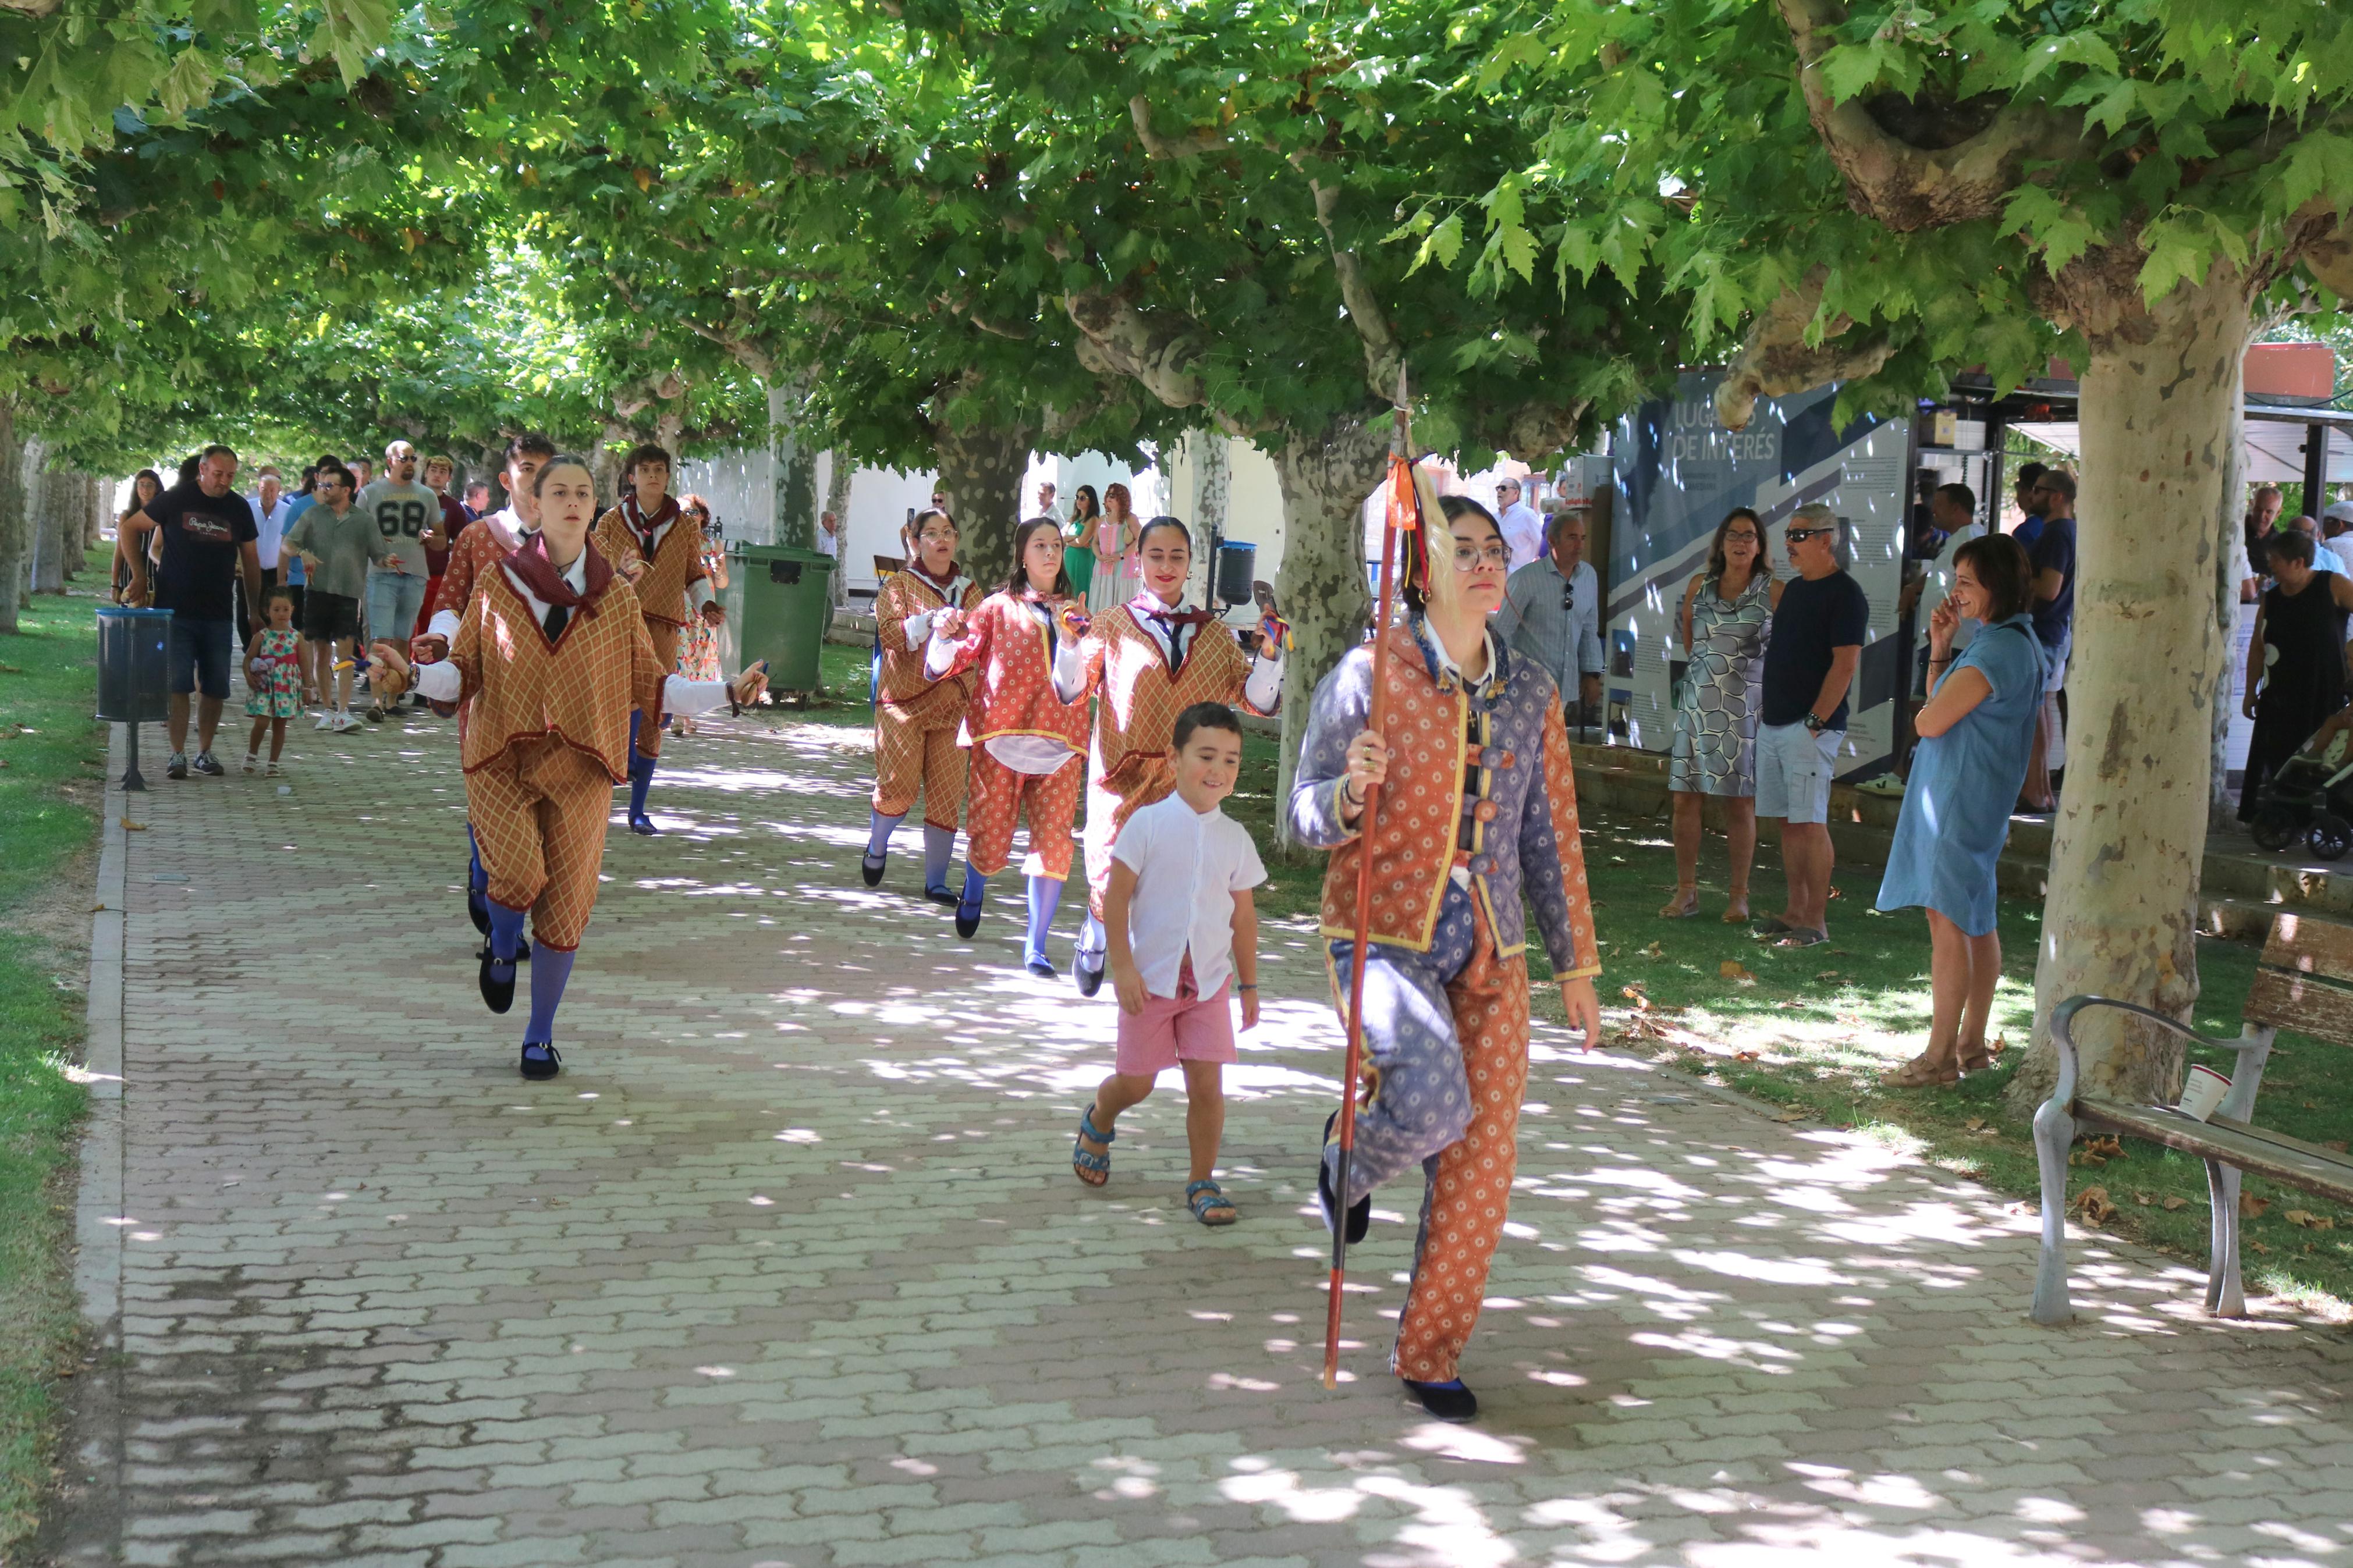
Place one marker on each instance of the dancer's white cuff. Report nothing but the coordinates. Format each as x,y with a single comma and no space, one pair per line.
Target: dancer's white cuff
444,625
438,682
698,594
680,695
1263,687
941,655
918,627
1070,671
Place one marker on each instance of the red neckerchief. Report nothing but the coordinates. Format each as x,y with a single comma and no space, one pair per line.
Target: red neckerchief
1147,606
644,526
535,572
940,585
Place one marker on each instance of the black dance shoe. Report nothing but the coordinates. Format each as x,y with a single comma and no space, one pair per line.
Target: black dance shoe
478,910
541,1060
1448,1401
946,898
1090,976
1360,1212
871,868
522,951
498,994
1043,970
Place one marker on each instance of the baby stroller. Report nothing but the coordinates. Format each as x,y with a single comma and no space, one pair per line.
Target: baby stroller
2310,797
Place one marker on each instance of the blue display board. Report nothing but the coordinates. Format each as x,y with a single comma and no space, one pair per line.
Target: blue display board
1678,471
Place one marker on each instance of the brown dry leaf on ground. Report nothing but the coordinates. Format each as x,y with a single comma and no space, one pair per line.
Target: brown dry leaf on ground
1974,1122
2336,1144
2259,1247
131,826
2176,1203
1828,974
2085,1158
1732,969
2106,1146
2000,1045
1656,949
2249,1205
2305,1220
1743,1055
1792,1116
2093,1206
2143,1199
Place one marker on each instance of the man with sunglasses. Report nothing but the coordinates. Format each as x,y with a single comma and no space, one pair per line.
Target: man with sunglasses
1524,531
1810,663
1552,613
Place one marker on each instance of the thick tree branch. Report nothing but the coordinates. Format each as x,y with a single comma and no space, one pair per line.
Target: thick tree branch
1775,359
1900,183
1160,350
1192,144
1384,354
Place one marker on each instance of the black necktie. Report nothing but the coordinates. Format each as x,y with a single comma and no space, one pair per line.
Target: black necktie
557,619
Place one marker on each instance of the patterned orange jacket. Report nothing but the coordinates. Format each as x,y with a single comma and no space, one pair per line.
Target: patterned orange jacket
904,684
1011,645
677,564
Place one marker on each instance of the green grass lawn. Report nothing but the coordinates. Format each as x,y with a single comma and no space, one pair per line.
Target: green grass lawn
52,757
1811,1030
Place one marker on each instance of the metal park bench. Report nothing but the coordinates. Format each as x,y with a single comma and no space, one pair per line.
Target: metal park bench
2305,984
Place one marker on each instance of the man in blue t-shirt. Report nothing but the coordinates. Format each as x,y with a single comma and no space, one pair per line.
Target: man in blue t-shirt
209,536
1817,646
2030,501
2053,558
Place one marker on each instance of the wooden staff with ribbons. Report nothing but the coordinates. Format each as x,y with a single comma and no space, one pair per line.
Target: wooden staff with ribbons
1403,513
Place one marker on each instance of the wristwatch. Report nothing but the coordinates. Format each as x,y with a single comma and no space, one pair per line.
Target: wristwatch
1814,726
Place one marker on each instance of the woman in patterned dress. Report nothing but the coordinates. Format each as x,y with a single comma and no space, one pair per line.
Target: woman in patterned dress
1117,576
1728,615
698,651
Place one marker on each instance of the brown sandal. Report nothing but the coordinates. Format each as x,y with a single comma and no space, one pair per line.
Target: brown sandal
1981,1060
1920,1072
1682,907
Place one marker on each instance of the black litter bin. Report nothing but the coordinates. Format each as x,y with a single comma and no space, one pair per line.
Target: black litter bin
131,682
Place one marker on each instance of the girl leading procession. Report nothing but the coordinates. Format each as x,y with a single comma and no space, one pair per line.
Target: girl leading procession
1476,818
917,717
550,662
1024,739
1147,661
660,549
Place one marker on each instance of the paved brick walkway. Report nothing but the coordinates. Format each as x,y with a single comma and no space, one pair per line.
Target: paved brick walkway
789,1269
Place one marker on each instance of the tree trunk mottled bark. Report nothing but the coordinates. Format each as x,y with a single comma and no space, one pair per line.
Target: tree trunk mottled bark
12,516
792,477
981,471
605,463
51,523
1325,477
2121,917
840,470
2231,569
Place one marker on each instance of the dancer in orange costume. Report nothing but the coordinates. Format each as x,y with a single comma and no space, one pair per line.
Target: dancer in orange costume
1477,813
916,717
477,550
659,550
549,660
1147,661
1024,739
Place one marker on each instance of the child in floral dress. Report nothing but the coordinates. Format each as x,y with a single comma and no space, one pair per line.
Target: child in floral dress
273,679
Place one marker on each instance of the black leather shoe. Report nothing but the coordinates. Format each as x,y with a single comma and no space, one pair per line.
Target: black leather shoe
643,826
522,951
497,995
478,910
946,898
871,868
541,1059
1360,1212
1446,1401
967,917
1090,976
1043,970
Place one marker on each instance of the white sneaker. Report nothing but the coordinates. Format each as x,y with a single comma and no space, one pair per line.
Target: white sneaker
252,761
344,723
326,722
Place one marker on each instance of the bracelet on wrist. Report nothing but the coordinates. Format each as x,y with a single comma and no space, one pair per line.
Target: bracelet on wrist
1245,987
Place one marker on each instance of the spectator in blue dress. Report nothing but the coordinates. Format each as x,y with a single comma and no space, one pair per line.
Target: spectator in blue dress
1975,735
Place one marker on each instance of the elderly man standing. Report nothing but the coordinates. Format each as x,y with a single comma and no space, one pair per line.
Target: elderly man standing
1552,614
272,510
1524,531
1816,648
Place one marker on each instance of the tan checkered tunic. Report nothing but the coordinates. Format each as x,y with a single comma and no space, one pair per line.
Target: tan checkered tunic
678,561
580,689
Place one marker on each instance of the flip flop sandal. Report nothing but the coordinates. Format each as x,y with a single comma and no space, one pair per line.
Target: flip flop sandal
1771,925
1083,1159
1209,1203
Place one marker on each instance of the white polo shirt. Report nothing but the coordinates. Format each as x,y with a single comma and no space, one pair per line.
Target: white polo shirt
1188,866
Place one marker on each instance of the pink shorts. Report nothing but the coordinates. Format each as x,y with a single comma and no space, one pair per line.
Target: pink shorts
1173,1029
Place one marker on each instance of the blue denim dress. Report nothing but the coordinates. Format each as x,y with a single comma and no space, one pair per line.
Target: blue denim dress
1957,805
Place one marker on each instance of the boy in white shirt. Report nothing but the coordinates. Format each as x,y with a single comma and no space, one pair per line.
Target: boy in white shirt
1183,929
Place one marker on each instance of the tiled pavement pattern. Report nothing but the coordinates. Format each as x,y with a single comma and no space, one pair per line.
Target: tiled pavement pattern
789,1267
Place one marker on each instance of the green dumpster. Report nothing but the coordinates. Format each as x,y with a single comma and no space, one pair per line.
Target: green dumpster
778,602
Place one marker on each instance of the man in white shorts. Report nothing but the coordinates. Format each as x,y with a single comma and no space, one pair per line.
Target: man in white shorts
1810,663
